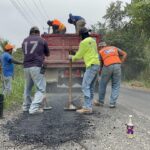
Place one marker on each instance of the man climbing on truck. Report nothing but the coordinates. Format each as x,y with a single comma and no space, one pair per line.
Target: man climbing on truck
78,21
88,52
57,26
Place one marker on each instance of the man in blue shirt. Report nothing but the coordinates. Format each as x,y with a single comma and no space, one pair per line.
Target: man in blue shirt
78,21
8,62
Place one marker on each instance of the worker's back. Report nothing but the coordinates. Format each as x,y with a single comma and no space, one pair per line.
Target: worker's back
34,51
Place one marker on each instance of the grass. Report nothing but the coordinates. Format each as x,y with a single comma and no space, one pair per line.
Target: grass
134,83
16,96
142,79
138,83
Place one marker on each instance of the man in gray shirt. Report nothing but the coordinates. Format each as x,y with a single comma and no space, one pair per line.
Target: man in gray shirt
35,48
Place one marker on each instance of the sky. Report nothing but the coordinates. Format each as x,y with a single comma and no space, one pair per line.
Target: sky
18,16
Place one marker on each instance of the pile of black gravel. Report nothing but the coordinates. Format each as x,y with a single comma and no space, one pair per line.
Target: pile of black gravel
53,127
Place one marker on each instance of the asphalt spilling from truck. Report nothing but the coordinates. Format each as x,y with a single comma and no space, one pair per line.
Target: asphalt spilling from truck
53,127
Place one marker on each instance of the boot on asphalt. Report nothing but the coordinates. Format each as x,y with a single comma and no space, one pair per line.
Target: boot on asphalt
97,103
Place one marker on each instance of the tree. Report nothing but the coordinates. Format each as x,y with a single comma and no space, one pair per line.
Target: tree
2,44
114,16
99,28
127,27
139,12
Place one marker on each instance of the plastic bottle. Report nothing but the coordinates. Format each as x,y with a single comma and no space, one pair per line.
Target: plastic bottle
130,128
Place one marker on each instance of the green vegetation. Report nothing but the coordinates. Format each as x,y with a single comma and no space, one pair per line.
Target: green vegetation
2,44
127,27
16,97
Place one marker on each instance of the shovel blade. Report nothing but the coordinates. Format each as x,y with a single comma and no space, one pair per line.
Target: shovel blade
70,107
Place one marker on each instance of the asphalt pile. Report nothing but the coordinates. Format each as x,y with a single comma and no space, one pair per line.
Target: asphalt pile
53,127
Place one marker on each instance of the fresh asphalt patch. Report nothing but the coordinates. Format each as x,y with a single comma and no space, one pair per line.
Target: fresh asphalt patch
53,127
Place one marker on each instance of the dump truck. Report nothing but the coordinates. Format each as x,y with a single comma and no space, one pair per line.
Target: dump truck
57,69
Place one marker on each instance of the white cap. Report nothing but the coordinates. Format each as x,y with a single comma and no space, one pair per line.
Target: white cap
102,44
130,121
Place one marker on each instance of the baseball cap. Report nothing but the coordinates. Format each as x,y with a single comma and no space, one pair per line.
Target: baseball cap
102,44
49,22
84,30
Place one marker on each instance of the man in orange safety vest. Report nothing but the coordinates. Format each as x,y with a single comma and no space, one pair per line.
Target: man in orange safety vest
57,26
111,59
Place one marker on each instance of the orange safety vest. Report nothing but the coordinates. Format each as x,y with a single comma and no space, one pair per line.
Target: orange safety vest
58,23
110,55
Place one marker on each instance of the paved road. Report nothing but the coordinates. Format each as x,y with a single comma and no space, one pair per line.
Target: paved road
110,130
137,100
105,129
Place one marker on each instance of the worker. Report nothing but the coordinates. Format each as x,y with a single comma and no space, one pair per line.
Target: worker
57,26
78,21
8,62
88,52
111,59
35,48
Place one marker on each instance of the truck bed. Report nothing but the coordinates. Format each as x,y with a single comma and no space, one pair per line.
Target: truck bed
61,45
57,72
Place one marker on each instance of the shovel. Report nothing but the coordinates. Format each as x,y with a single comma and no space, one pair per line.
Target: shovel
45,104
70,106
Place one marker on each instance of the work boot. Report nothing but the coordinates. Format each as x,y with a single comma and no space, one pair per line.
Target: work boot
84,111
112,106
25,110
97,103
47,108
38,111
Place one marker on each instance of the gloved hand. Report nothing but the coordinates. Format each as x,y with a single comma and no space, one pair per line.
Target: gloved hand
70,57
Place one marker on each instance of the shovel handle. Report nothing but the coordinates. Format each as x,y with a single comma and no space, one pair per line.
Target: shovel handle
70,82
